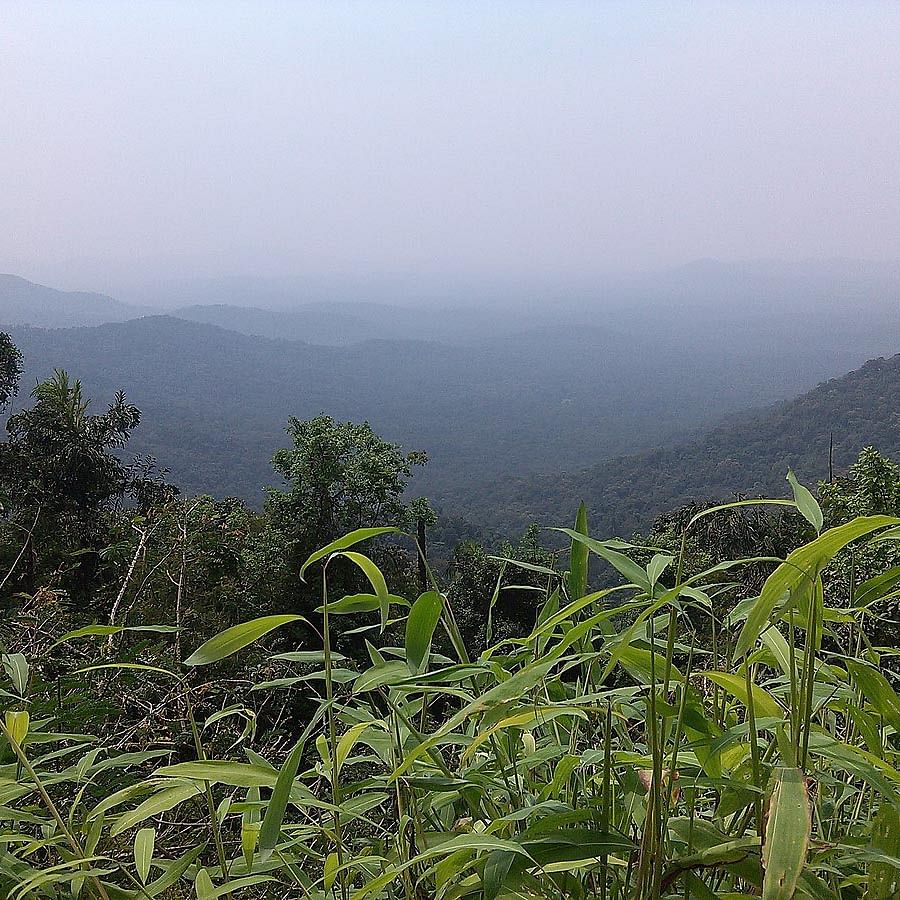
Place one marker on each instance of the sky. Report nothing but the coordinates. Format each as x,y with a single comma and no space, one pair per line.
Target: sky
431,140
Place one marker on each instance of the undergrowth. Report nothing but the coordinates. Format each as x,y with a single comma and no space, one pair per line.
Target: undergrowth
636,744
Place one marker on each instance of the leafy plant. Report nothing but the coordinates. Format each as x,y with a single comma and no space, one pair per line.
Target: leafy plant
611,751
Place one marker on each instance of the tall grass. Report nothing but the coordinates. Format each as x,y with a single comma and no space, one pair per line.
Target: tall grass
634,745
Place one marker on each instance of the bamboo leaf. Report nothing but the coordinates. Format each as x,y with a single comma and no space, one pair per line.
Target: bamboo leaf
343,543
804,562
496,868
625,566
377,676
877,690
329,871
250,827
236,638
216,771
17,722
347,742
806,503
144,842
876,587
281,794
204,887
764,704
787,835
420,625
884,877
159,803
512,689
578,558
16,666
370,570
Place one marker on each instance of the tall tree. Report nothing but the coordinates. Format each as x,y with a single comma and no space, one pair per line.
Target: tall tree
10,369
59,474
339,477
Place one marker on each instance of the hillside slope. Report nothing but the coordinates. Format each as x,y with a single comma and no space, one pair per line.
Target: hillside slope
23,302
216,402
749,453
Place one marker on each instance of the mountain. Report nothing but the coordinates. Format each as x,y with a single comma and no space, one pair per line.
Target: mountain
749,453
216,402
522,414
342,324
25,303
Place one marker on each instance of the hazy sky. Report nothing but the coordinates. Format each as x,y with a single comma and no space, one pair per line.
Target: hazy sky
483,139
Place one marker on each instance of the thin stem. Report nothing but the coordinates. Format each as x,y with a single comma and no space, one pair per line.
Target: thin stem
48,802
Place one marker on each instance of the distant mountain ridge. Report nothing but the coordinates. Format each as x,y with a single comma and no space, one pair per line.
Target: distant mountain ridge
23,302
523,415
343,324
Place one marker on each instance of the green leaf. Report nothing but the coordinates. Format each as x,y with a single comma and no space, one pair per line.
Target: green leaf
877,587
144,842
625,566
347,742
420,625
217,771
274,817
236,638
17,722
16,667
547,845
578,558
108,630
350,604
641,664
377,676
877,690
884,878
513,688
657,565
370,570
496,868
204,887
174,871
330,869
159,803
250,827
787,835
804,562
764,704
806,503
777,645
472,843
342,543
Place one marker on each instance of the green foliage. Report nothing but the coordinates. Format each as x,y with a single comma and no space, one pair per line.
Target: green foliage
10,369
339,477
59,474
720,719
528,770
746,455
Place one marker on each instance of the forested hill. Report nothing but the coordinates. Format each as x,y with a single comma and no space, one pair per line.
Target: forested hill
750,454
23,302
216,402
